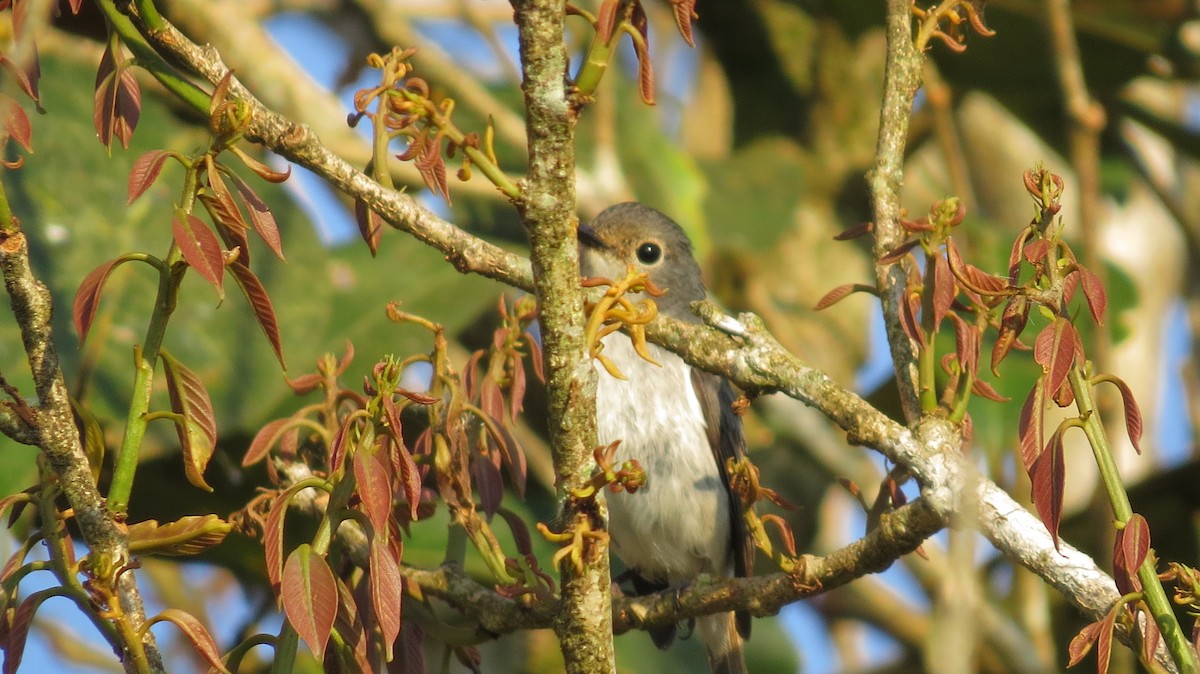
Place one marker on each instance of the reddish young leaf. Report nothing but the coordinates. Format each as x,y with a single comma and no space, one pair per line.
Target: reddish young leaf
16,122
386,587
486,476
310,599
859,230
1070,285
1055,350
117,107
266,438
1012,324
1014,256
197,427
25,78
985,390
1035,252
1048,476
260,302
1104,640
273,539
195,632
18,630
373,473
516,390
260,216
944,289
413,638
402,462
426,153
370,225
1093,290
1133,415
1135,543
535,357
188,535
898,253
1151,636
841,292
145,171
337,446
520,532
87,298
967,340
1082,644
972,277
685,11
641,46
606,19
200,248
260,169
908,318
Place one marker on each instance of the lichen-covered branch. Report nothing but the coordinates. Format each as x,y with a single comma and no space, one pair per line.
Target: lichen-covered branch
583,623
901,79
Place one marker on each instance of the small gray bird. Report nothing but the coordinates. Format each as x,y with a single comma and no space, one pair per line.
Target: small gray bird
678,422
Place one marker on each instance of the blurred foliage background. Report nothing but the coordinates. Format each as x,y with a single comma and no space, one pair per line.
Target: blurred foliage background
758,145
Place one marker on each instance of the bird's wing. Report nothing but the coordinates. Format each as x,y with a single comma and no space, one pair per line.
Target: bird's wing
727,441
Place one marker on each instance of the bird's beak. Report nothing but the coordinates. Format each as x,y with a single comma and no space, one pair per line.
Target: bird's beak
588,238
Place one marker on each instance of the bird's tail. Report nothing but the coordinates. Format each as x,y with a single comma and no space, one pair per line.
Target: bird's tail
724,644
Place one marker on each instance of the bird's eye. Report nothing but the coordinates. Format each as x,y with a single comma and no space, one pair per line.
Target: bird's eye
649,253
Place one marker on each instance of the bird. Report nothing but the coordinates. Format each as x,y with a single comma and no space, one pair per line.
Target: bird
678,422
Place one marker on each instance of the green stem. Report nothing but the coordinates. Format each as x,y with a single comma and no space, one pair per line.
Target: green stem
595,63
170,274
148,58
286,643
8,224
149,14
927,356
1152,590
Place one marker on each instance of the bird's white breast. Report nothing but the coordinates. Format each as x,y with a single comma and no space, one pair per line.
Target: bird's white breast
677,526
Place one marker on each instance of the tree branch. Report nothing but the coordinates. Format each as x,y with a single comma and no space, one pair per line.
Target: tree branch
583,623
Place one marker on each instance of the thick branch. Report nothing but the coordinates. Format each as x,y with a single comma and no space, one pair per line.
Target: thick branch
583,623
901,79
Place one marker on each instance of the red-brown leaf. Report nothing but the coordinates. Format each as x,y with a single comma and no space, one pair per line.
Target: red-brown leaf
200,248
898,253
260,302
16,122
839,293
18,630
1012,324
1055,350
370,225
606,19
1081,645
641,46
197,427
1093,290
1133,415
1151,636
310,601
972,277
1104,641
386,587
273,538
944,290
967,339
261,216
145,171
1048,476
195,632
373,473
1030,425
985,390
87,298
263,441
1135,543
685,11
